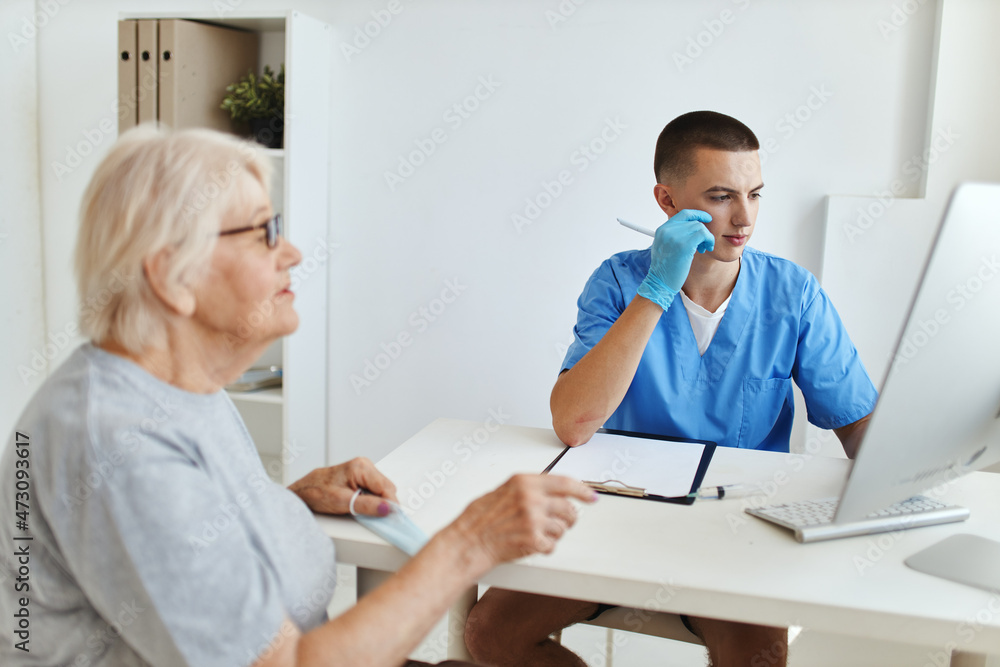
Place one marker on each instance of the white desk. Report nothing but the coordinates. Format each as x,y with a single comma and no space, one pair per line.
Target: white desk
708,559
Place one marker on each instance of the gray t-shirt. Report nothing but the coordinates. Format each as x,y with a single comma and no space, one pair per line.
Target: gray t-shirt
157,536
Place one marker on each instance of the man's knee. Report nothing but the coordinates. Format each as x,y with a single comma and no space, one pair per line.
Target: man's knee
473,631
505,624
744,644
481,631
776,656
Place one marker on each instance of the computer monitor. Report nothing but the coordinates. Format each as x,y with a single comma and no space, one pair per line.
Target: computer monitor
938,413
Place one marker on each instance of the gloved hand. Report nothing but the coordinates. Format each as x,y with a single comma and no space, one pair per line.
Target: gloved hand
674,246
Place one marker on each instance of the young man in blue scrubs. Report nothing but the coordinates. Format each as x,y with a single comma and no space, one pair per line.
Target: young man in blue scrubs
698,336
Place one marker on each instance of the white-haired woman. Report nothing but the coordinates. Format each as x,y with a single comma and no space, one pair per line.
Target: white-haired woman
134,445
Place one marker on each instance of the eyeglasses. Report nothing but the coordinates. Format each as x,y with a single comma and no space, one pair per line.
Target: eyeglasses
274,228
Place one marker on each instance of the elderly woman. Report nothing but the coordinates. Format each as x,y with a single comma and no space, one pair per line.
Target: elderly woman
134,445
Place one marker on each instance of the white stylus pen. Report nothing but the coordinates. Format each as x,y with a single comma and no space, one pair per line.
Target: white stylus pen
725,491
635,227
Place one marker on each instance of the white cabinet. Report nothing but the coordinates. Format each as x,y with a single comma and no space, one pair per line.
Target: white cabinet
288,423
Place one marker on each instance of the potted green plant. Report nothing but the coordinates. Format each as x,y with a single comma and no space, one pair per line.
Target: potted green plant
259,101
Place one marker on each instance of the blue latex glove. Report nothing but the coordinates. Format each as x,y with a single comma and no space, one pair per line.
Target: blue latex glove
674,246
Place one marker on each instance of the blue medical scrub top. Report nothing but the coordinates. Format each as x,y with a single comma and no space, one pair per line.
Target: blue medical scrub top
779,326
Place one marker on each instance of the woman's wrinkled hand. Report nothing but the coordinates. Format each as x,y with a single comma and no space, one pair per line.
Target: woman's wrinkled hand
329,490
526,515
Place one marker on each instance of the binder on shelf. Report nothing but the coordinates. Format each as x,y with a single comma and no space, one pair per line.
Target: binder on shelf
128,75
175,72
197,62
146,85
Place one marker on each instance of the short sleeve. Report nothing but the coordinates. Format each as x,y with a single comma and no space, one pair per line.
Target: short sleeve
828,369
159,553
600,305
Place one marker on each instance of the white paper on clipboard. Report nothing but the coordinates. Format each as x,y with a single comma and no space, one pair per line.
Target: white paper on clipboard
660,467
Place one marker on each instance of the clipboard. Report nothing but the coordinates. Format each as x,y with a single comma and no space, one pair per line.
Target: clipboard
692,458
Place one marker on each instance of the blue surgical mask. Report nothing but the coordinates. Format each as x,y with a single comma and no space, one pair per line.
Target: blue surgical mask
396,528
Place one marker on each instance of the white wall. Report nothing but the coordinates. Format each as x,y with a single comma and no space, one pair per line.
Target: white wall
876,246
499,344
22,325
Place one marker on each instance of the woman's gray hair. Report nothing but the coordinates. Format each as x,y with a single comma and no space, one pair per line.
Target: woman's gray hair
155,189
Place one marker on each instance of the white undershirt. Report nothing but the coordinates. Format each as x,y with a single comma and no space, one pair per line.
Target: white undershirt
703,323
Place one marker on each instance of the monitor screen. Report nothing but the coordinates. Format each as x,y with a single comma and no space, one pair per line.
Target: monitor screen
938,413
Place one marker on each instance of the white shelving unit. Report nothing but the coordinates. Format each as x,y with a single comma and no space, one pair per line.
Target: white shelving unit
288,423
271,396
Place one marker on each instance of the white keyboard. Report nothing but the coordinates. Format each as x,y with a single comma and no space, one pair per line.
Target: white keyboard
811,519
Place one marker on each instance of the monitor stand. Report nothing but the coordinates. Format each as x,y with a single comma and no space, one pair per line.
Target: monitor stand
967,559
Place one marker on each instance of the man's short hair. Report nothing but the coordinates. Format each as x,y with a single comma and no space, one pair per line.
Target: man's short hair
673,161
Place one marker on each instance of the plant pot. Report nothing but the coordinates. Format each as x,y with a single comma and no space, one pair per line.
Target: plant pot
268,131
